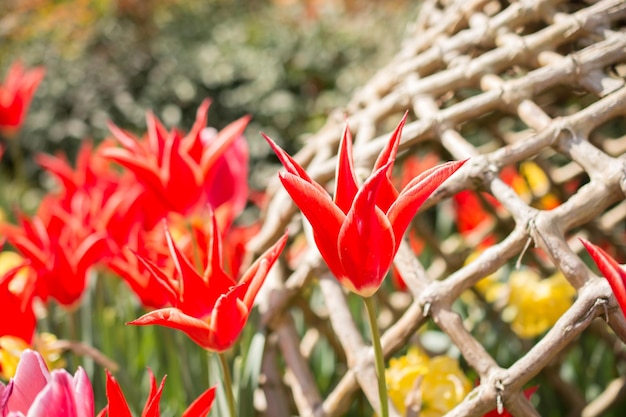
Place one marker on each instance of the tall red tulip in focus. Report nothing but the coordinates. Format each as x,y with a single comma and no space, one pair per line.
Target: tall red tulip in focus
611,270
211,308
358,233
16,94
118,407
182,171
35,392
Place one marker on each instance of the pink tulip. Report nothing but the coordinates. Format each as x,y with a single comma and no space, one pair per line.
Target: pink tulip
34,391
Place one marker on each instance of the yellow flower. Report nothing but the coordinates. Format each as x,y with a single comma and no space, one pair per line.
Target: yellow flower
535,304
11,348
537,180
46,344
535,184
435,385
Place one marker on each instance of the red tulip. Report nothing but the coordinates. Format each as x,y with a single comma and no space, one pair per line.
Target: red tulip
118,407
180,170
59,248
611,270
471,215
359,231
34,391
16,94
211,308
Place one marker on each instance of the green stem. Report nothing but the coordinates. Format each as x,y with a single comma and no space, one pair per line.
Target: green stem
228,385
378,355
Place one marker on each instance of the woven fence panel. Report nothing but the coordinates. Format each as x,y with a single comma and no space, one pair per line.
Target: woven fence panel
500,83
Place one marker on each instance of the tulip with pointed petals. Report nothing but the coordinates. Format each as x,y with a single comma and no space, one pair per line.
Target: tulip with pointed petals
60,248
211,308
118,407
359,232
181,171
612,271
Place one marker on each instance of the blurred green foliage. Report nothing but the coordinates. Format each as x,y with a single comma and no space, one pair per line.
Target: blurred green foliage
284,63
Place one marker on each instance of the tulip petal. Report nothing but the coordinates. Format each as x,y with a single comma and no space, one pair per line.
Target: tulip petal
232,167
146,171
387,193
30,378
390,150
228,319
222,142
181,175
198,330
345,184
202,405
292,166
366,240
192,288
255,276
161,278
611,270
117,405
5,393
288,162
151,409
83,394
157,136
92,249
214,276
60,168
56,399
191,143
124,138
325,217
415,193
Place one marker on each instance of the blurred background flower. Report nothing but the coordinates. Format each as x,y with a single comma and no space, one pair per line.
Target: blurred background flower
535,304
430,386
16,94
